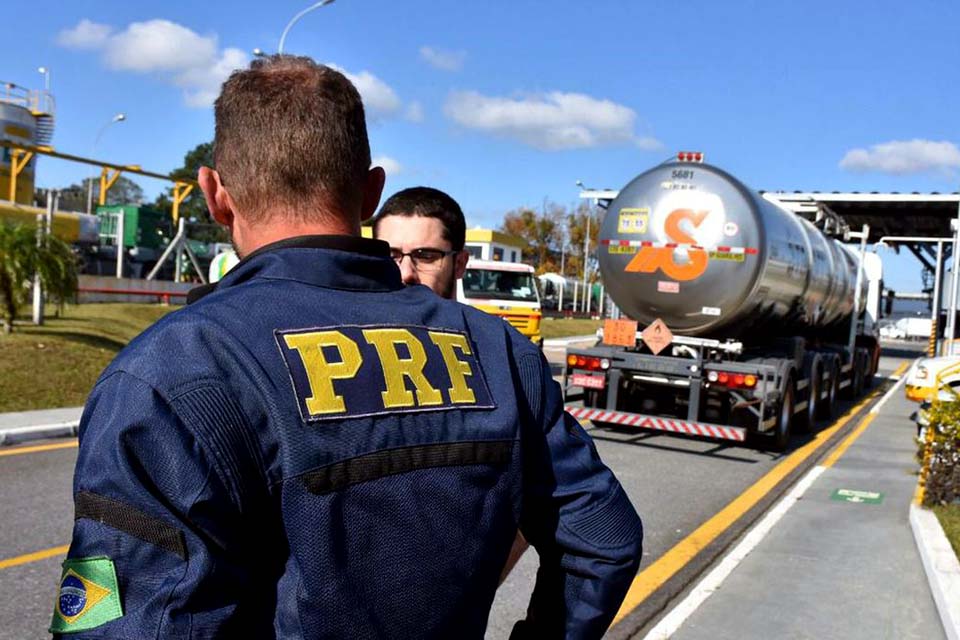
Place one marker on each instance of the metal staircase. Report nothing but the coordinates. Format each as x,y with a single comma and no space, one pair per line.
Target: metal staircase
44,131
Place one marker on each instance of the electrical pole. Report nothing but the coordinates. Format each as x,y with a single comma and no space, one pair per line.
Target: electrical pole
586,251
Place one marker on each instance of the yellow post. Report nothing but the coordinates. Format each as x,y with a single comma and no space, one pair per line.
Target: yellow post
180,191
107,180
932,346
16,168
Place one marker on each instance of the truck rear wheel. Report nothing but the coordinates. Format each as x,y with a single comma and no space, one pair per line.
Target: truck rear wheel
779,438
806,421
828,407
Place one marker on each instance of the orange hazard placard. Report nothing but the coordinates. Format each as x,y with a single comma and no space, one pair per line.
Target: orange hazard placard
657,336
620,333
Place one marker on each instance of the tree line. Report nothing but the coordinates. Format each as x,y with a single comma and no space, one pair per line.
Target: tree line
555,237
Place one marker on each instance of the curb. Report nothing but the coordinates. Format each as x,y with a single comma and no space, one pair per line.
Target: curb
16,435
562,342
941,566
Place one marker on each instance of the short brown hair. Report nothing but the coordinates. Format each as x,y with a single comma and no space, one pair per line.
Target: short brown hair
291,133
427,202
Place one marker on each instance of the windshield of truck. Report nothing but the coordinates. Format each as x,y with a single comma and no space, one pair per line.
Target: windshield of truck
499,285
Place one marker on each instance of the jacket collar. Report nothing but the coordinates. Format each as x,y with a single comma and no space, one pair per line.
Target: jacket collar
333,261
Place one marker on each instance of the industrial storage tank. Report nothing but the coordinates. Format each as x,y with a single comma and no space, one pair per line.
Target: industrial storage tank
690,244
26,117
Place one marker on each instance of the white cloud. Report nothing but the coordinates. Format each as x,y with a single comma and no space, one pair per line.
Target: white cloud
391,166
414,112
549,122
904,156
379,99
202,84
443,60
197,64
86,35
175,53
159,45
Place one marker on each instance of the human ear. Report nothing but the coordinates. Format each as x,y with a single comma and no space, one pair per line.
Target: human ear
372,191
219,202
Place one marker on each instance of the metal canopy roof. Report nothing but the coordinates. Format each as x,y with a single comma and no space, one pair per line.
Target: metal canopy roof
888,214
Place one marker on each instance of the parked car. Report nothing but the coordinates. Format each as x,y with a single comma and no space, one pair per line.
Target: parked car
892,332
922,379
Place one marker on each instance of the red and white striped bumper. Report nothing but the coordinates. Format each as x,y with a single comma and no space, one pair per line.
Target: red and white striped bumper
661,424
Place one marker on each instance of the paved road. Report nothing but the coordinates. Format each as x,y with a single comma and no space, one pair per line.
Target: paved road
675,483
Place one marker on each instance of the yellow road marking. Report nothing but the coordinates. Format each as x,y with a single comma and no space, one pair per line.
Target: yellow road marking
850,439
33,557
665,567
39,447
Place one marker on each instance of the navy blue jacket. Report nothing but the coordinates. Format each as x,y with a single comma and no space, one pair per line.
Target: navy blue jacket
314,450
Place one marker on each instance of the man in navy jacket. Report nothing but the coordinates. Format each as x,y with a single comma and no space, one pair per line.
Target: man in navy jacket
314,450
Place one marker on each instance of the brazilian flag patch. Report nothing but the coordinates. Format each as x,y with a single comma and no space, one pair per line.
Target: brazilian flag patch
88,595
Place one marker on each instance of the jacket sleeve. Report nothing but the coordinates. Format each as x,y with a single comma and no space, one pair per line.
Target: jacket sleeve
576,515
164,490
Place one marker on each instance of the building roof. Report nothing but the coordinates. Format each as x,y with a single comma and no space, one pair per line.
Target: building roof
491,236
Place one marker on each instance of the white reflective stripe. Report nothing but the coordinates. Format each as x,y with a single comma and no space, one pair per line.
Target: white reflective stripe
846,367
844,384
800,406
802,384
662,424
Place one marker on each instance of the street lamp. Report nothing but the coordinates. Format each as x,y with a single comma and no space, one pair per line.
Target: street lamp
46,77
259,53
120,117
297,17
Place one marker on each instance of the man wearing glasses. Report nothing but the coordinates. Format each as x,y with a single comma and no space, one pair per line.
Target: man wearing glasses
425,229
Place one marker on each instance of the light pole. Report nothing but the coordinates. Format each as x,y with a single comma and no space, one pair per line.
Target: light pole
293,21
586,251
120,117
46,77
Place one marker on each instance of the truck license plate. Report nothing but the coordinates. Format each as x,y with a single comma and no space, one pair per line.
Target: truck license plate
589,382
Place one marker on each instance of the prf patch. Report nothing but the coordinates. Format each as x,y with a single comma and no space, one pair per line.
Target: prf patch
88,595
355,371
633,220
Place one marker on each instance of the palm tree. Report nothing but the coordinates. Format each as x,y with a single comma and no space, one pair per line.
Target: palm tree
21,256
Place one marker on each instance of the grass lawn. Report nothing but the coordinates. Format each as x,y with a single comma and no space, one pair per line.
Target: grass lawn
564,327
950,521
56,365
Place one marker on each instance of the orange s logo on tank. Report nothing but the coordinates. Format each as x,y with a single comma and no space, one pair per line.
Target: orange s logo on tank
650,259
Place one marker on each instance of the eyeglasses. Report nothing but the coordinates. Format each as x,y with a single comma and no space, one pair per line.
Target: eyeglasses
424,259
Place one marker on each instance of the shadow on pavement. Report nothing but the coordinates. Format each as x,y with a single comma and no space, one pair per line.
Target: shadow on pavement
642,437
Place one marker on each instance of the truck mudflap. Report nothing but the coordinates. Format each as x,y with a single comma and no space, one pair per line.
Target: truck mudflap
674,425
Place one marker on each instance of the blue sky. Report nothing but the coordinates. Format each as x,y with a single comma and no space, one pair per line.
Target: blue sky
505,103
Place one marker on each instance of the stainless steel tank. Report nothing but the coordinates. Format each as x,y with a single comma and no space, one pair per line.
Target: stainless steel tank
690,244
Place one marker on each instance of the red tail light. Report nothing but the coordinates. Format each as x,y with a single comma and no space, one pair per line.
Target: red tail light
733,380
588,362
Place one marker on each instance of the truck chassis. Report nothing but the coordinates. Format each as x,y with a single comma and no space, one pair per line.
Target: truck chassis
719,389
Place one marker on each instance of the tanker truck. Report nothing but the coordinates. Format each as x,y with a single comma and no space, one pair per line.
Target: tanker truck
755,321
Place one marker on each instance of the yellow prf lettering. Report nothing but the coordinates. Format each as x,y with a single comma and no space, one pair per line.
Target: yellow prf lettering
396,368
320,373
460,393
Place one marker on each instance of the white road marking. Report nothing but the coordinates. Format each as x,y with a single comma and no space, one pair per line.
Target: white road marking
889,394
671,623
